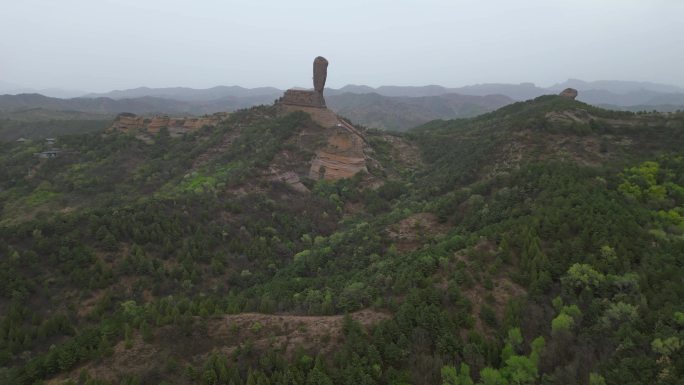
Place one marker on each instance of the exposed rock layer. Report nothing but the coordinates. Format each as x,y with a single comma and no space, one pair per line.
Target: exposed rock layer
128,122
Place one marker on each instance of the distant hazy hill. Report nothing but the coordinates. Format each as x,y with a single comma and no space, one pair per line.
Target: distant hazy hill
192,94
36,123
632,98
13,89
644,107
351,88
389,107
603,92
626,94
401,113
38,116
141,105
523,91
616,86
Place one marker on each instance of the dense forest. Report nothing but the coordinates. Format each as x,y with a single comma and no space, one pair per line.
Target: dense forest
542,243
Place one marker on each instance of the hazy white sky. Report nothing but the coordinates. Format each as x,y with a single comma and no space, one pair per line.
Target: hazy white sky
98,45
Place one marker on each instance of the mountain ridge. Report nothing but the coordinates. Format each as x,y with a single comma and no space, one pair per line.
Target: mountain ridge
521,91
602,92
386,107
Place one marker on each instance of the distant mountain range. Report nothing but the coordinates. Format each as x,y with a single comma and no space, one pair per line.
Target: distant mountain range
192,94
602,92
14,89
388,107
373,110
139,105
522,91
616,86
403,112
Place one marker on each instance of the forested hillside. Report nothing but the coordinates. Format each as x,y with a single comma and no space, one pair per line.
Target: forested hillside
542,243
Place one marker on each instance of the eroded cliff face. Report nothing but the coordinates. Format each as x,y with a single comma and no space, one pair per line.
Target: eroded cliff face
342,157
157,123
343,153
131,123
305,98
127,123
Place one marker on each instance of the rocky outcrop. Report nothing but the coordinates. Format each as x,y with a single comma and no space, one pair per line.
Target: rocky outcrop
131,123
333,167
342,156
127,122
157,123
569,93
303,98
193,124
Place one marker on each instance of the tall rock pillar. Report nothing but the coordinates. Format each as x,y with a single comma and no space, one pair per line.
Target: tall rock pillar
320,73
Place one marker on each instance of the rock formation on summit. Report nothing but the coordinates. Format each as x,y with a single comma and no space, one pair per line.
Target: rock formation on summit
343,154
569,93
309,98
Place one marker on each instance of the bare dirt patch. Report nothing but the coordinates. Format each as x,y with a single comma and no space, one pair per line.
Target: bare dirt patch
412,232
287,332
224,334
